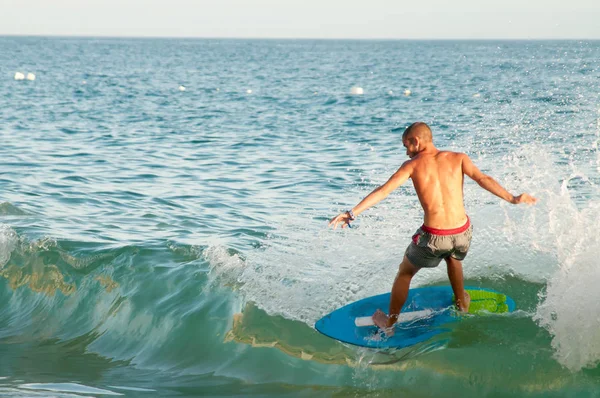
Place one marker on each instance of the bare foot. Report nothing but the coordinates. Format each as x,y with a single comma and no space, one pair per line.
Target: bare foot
463,305
380,319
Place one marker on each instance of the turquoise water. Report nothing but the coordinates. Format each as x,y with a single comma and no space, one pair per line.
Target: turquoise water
156,241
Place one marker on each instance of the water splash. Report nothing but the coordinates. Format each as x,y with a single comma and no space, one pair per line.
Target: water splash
8,242
561,230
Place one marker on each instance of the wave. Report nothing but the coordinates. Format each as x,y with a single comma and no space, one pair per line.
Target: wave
303,270
141,303
8,209
133,304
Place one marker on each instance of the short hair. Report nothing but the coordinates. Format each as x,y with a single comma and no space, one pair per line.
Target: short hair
418,129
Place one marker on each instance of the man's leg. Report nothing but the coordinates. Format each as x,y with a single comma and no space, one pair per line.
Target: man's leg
455,274
398,297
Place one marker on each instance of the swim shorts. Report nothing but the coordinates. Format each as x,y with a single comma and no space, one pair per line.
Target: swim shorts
430,246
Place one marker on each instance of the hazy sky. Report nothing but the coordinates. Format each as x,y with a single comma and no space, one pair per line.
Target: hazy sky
444,19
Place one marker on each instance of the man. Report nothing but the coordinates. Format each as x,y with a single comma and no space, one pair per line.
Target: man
438,178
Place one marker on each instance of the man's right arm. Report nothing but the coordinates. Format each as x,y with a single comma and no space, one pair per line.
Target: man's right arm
489,184
380,193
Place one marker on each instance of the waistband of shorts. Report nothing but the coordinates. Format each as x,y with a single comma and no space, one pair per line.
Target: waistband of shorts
453,231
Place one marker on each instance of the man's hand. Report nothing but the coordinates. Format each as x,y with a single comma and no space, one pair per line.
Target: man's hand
523,198
343,218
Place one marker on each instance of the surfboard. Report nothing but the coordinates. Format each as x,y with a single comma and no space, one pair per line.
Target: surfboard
426,311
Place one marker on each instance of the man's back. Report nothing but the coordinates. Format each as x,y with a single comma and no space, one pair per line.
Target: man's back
438,179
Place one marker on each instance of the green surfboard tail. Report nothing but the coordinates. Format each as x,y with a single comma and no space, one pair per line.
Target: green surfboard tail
484,301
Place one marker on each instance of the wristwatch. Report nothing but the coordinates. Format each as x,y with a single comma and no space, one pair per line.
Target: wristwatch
351,215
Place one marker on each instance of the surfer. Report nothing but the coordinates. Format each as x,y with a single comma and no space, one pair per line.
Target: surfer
446,232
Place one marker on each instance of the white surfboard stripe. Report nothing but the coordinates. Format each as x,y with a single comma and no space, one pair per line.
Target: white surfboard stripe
404,317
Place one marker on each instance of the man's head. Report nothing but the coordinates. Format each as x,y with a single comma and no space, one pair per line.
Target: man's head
416,138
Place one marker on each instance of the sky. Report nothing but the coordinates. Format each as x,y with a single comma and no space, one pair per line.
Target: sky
345,19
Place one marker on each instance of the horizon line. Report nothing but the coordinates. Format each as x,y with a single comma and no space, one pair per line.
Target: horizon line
142,37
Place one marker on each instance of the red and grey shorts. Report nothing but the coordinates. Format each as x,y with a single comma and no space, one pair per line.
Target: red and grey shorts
430,246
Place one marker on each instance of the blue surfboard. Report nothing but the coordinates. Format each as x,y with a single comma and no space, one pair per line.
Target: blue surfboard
426,311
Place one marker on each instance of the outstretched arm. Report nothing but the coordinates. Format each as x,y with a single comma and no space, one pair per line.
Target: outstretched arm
489,184
378,194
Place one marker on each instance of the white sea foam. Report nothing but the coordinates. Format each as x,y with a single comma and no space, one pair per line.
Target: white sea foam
571,302
8,243
67,387
559,244
225,267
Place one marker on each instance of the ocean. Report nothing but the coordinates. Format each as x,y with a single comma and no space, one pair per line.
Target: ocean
164,207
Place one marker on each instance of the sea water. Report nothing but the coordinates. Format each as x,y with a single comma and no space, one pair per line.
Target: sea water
164,208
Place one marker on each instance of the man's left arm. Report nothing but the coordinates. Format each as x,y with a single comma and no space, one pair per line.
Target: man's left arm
378,194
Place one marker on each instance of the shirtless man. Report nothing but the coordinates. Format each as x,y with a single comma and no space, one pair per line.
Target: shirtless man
446,232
